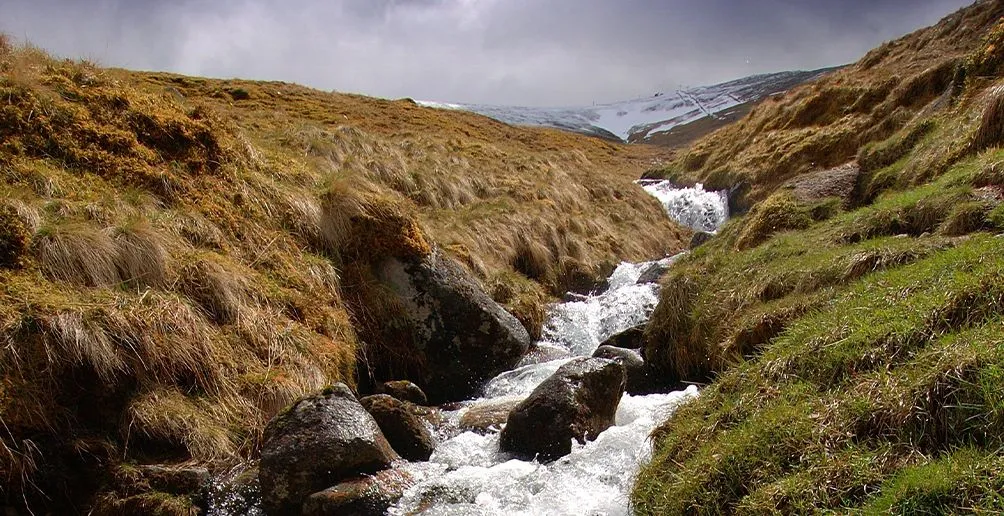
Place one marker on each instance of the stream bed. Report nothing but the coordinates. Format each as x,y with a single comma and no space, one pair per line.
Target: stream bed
467,475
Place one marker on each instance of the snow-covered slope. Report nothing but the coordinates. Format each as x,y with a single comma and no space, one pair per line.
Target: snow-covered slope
641,119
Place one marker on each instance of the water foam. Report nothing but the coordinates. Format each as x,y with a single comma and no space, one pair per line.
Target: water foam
695,207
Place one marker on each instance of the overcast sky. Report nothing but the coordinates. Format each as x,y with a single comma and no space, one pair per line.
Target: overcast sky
528,52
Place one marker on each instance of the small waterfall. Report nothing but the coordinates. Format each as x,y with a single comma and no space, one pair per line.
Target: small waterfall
695,207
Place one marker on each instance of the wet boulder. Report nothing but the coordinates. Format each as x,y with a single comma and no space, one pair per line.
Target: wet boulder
317,442
362,496
631,338
638,381
576,403
404,391
460,337
487,416
654,272
401,425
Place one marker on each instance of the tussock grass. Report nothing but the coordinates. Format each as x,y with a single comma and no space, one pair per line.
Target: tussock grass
142,254
220,290
15,237
991,130
78,253
182,257
854,361
776,214
825,124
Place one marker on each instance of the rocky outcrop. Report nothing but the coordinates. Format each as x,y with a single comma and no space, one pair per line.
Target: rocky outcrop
363,496
401,425
404,391
576,403
460,336
319,441
638,381
838,182
631,338
175,479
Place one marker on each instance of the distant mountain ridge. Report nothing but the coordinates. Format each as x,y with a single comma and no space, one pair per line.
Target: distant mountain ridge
651,119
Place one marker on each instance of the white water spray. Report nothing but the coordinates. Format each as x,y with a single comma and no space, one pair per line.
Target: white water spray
468,475
695,207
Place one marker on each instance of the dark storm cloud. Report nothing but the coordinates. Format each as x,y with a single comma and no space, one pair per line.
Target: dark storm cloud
537,52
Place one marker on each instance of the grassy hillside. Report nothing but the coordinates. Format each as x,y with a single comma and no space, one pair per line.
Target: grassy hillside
182,257
853,346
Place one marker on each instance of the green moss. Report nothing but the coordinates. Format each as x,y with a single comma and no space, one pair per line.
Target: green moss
147,504
778,213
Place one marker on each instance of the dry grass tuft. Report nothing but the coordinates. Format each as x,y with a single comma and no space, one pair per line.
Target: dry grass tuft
532,259
991,130
77,253
172,419
219,289
142,255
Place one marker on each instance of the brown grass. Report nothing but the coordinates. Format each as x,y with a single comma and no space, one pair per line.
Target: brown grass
78,253
183,257
991,129
824,124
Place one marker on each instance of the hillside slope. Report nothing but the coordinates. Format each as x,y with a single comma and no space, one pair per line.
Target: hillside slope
647,120
849,326
182,257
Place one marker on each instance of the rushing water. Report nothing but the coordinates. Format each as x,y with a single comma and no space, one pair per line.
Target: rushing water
695,207
468,475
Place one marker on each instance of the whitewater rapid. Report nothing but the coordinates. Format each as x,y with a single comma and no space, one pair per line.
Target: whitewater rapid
468,475
696,208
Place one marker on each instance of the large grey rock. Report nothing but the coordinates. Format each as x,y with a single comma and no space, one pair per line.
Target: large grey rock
363,496
460,336
401,425
576,403
638,381
319,441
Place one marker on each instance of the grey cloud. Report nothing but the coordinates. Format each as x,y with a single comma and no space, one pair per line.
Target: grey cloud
534,52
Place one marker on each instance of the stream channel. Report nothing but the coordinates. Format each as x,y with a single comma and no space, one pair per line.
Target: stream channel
467,475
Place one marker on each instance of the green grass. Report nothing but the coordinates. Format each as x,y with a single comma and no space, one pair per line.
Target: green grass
848,358
895,371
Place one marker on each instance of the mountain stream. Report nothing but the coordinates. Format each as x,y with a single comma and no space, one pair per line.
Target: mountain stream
468,475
